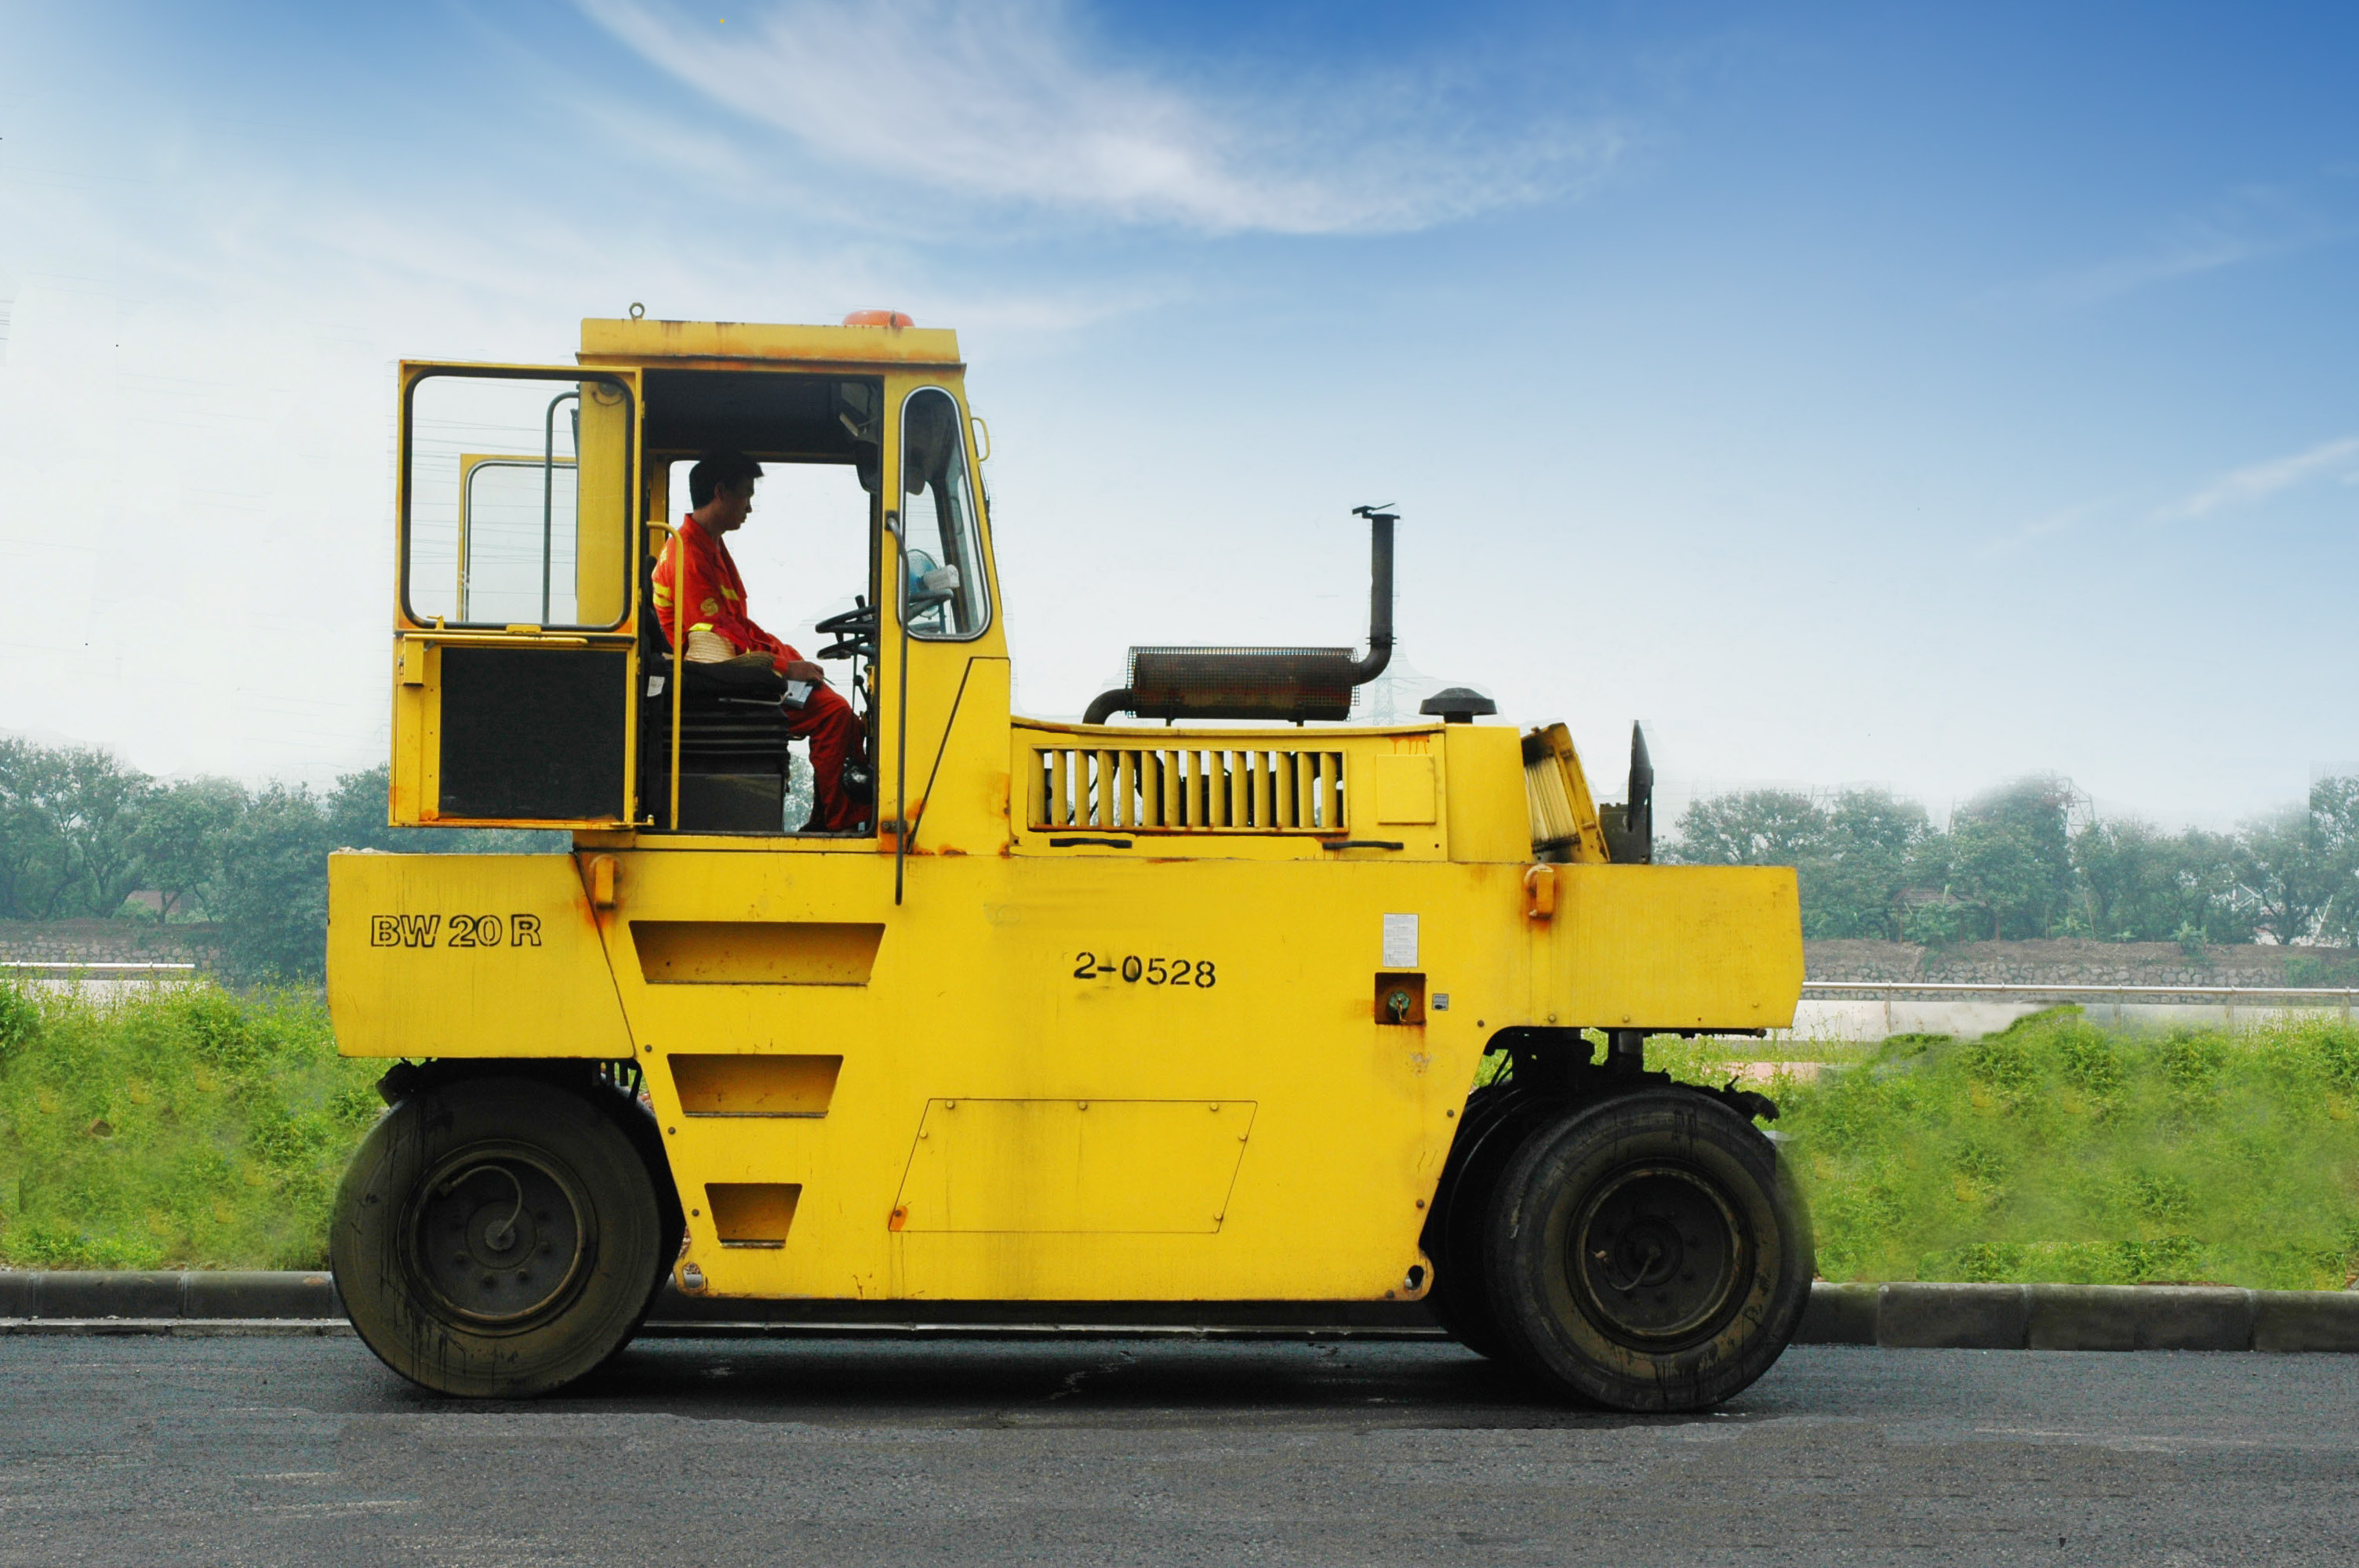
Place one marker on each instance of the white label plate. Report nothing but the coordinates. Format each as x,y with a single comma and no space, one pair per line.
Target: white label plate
1400,942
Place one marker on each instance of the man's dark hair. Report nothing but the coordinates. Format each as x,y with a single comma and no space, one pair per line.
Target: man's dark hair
716,469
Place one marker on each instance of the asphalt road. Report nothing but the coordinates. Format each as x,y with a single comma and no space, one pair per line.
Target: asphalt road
692,1451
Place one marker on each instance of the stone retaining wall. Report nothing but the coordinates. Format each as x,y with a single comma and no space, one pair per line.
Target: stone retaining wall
109,942
2082,963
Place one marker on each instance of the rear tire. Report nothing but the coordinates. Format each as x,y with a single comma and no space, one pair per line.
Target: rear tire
497,1237
1497,1121
1645,1252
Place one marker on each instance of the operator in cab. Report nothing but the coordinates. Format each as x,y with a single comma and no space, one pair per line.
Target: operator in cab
720,491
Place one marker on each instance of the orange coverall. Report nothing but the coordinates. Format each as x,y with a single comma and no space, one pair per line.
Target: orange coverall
717,596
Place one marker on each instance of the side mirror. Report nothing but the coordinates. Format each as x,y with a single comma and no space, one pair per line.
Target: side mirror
1630,828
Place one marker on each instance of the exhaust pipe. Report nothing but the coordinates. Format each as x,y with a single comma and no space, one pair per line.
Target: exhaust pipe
1380,594
1288,685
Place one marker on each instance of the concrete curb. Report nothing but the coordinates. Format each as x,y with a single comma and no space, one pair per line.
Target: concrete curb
2131,1317
1839,1314
1951,1317
181,1328
2080,1317
154,1295
1896,1316
2306,1320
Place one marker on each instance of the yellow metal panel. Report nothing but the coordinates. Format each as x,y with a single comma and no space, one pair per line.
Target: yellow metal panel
754,1086
1072,1166
959,801
1489,819
606,339
467,955
980,991
430,738
603,539
410,799
1404,789
417,780
756,952
975,995
1675,946
752,1213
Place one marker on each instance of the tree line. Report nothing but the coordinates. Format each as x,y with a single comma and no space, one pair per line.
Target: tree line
81,833
2028,861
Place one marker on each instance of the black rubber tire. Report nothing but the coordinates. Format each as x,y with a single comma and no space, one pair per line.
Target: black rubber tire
1645,1253
1497,1122
639,1127
496,1238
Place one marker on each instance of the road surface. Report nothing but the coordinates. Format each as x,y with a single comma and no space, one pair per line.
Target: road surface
305,1451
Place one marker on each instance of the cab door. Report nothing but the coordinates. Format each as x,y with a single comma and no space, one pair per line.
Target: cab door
944,660
516,615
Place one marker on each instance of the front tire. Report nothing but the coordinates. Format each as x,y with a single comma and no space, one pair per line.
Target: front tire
496,1238
1647,1254
1497,1122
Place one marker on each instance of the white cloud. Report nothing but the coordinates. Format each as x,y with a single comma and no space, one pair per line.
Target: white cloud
999,100
2183,257
2258,481
2062,520
196,413
2250,224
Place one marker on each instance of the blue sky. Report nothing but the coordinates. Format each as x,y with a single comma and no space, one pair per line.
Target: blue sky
1855,395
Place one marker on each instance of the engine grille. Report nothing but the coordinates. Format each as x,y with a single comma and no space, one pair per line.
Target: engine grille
1168,788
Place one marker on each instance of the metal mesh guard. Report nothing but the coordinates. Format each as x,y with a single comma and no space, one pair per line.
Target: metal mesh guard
1241,682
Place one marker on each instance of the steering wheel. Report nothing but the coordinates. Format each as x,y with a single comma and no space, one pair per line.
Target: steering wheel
855,630
853,622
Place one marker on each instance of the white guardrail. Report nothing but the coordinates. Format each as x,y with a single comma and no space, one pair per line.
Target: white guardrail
75,967
1862,1009
2343,994
115,980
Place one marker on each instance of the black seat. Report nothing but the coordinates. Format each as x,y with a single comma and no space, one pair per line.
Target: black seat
733,744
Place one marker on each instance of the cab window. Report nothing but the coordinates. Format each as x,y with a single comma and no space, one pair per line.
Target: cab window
944,588
514,501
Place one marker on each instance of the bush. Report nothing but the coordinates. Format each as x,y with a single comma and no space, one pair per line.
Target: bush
186,1127
2056,1151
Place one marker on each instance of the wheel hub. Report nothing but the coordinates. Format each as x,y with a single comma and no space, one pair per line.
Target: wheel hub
499,1236
1658,1254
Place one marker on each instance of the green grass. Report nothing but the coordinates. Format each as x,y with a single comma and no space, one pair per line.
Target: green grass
186,1127
1724,1054
195,1128
2057,1150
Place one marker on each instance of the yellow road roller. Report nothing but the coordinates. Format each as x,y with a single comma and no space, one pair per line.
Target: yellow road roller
1215,998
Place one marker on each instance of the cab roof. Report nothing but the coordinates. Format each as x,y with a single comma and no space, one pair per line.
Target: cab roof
608,341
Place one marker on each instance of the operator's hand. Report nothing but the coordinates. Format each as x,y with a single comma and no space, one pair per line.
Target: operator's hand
804,669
